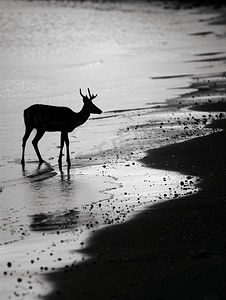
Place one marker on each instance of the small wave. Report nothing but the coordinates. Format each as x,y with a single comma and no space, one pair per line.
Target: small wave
91,64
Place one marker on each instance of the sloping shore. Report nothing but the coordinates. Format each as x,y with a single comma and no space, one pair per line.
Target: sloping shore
173,250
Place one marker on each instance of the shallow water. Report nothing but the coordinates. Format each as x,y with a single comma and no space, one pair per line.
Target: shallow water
47,52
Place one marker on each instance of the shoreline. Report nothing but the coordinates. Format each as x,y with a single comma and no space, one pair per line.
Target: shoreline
174,249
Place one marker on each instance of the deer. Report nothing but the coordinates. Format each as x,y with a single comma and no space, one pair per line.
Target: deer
51,118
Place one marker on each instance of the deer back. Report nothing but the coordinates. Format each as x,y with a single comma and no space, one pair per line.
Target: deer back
50,118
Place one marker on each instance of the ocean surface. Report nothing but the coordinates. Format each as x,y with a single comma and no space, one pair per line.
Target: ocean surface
50,49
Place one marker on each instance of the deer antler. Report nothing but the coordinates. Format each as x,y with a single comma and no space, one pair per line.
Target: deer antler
81,93
91,96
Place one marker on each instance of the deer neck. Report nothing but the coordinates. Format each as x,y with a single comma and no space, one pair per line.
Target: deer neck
83,115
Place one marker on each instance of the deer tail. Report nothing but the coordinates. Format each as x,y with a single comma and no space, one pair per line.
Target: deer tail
32,118
27,117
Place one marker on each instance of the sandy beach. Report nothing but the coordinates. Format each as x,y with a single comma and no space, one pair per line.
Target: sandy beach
142,214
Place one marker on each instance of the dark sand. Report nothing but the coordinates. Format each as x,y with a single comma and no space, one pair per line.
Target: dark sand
173,250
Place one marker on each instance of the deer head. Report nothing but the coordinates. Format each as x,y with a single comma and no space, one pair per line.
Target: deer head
88,102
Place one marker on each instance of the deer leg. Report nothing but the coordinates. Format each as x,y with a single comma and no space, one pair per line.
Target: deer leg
28,131
35,141
68,152
61,151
